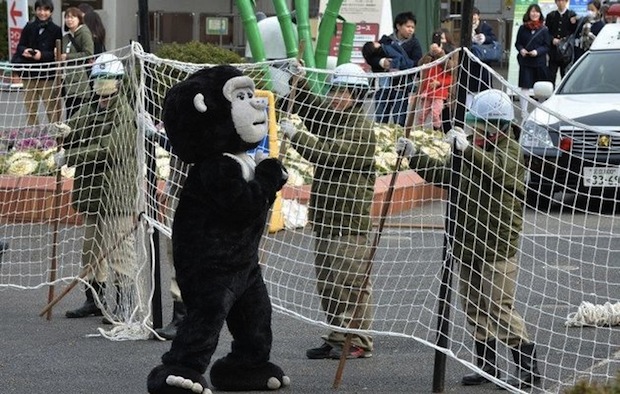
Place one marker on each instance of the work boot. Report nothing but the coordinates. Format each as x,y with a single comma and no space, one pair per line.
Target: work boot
178,314
123,304
527,372
485,359
89,308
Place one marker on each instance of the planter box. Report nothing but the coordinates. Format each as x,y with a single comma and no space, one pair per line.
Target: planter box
410,191
31,199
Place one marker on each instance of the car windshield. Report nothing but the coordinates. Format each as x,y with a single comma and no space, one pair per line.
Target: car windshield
595,74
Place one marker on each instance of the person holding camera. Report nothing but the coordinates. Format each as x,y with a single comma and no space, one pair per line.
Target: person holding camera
36,45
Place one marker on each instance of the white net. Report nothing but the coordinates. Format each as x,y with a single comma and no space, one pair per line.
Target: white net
566,251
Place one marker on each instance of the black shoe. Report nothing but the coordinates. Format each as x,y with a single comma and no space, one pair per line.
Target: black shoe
178,314
319,353
89,308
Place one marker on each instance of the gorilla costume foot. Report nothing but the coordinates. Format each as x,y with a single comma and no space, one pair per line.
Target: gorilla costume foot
176,380
227,375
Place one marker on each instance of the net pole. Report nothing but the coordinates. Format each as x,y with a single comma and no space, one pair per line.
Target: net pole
56,199
387,201
156,303
445,289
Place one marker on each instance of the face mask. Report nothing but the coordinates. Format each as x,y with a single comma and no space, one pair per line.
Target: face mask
591,14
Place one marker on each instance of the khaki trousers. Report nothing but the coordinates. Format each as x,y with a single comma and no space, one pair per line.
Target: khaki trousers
36,90
341,264
487,291
102,236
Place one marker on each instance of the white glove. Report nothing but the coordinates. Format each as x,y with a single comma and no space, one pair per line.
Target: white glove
405,147
457,136
296,68
59,159
288,128
59,130
260,155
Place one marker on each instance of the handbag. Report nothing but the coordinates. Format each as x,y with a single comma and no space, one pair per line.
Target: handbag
488,52
566,49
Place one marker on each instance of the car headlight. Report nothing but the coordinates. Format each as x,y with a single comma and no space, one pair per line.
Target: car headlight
534,135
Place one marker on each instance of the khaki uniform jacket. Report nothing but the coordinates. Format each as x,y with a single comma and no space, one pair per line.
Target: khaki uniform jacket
102,147
491,186
341,146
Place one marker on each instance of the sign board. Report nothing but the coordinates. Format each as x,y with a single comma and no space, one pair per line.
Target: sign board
363,32
217,26
377,12
17,15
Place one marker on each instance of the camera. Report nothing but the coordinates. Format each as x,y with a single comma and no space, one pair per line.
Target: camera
32,52
437,38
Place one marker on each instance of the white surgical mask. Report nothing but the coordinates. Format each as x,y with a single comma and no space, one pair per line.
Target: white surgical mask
591,14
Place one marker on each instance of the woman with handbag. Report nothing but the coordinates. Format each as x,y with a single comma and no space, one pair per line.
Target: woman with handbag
78,47
533,42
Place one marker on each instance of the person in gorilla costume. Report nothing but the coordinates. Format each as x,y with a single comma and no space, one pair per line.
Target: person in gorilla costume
212,119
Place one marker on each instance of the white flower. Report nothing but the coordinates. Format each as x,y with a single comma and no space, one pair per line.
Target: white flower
18,156
22,166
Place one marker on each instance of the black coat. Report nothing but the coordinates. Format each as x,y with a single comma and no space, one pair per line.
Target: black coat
45,42
559,26
539,40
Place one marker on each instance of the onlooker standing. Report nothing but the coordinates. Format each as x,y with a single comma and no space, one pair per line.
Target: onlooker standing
78,44
588,28
533,42
338,140
561,23
478,77
101,145
392,99
488,227
436,82
36,45
95,25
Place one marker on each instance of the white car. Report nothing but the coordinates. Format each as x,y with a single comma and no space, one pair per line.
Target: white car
577,151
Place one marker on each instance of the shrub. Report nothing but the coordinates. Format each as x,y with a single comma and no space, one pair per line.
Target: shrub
583,387
197,52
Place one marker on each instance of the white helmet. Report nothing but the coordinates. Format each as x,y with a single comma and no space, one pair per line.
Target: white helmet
492,104
350,74
107,66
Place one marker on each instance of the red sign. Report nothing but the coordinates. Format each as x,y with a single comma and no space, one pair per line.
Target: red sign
17,17
364,32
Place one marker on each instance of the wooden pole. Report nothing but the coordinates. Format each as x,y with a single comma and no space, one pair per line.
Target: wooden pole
57,195
291,96
387,201
86,270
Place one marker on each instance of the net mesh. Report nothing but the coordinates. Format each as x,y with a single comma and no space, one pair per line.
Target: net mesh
566,252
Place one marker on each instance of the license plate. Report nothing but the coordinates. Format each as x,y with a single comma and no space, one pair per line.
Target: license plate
601,176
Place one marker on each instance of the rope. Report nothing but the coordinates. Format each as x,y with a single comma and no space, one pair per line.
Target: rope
589,314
